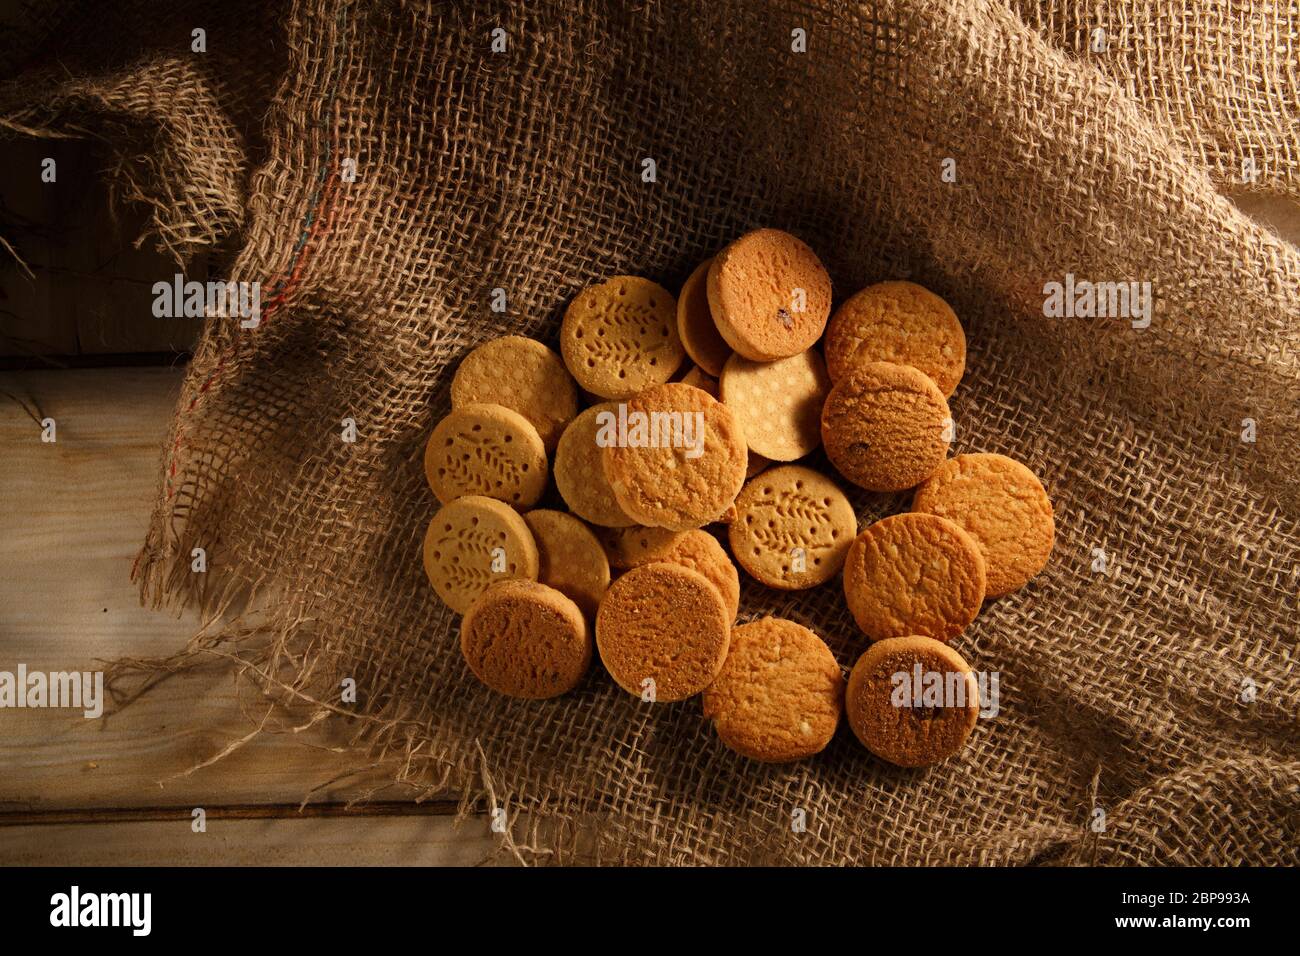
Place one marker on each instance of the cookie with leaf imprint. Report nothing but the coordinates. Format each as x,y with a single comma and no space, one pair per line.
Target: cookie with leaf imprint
489,450
792,528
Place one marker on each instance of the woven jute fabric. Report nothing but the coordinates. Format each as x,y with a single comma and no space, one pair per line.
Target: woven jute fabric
1148,711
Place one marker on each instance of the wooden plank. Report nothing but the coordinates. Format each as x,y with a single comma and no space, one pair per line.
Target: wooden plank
73,515
356,840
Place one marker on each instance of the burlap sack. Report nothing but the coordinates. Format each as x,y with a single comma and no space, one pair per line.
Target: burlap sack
1128,691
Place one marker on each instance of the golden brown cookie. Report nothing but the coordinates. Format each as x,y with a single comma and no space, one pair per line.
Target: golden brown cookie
580,474
663,632
769,295
699,551
886,427
906,721
524,376
571,559
1003,506
914,574
704,383
474,542
636,545
700,337
899,322
486,450
792,528
524,639
620,337
779,404
779,694
674,456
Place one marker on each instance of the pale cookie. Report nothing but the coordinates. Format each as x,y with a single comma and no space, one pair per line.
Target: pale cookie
524,376
486,450
792,528
620,337
700,337
902,720
675,458
580,474
572,560
524,639
663,632
779,694
699,551
886,427
474,542
1003,506
769,295
705,383
914,574
779,404
898,322
630,547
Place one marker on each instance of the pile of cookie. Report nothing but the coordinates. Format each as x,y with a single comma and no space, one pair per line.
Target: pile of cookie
660,454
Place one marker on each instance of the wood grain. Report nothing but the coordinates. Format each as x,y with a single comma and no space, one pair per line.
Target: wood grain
74,515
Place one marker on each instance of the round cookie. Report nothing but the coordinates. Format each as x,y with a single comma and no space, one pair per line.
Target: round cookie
486,450
663,632
754,295
525,639
571,559
524,376
669,472
779,404
620,337
886,426
784,509
898,721
580,474
699,551
700,337
898,322
1003,506
636,545
914,574
474,542
779,694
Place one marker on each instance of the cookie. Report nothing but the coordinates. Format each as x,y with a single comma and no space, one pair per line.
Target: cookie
662,631
779,694
779,404
898,322
571,559
769,295
906,721
700,337
524,376
886,427
792,528
705,383
914,574
675,457
474,542
486,450
699,551
620,337
580,474
629,547
524,639
1003,506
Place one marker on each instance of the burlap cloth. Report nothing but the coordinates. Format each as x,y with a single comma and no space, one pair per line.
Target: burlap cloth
1125,691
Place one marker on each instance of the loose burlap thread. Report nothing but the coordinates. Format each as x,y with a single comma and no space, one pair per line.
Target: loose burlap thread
1125,691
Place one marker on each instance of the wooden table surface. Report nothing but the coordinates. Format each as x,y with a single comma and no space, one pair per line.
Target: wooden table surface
118,790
